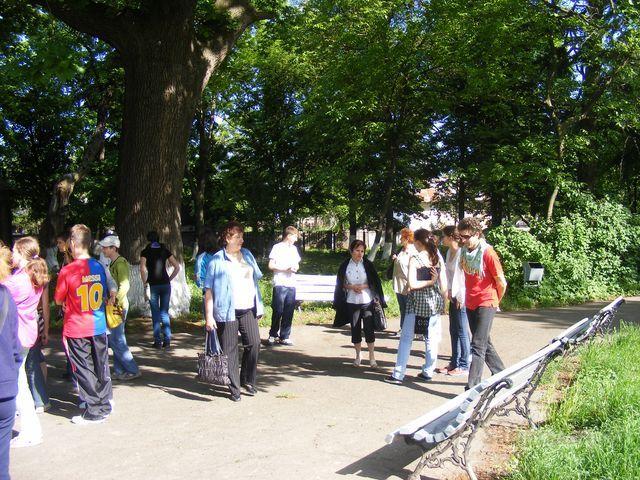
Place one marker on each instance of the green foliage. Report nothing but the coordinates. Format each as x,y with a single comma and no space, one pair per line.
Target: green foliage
52,79
590,252
594,431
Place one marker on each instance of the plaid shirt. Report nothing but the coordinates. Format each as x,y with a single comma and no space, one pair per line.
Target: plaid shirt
427,301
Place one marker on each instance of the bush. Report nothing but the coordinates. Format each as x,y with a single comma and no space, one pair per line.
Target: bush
590,252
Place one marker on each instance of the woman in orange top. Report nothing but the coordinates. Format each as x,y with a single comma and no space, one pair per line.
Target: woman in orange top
485,286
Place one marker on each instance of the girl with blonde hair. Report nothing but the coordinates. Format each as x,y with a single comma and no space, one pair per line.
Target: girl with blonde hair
27,286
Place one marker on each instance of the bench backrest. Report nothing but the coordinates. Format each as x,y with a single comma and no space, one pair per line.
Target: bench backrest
442,422
318,288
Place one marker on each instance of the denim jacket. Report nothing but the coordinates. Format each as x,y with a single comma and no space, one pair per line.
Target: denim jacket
219,282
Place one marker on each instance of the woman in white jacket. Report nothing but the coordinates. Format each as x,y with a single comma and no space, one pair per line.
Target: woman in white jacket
458,323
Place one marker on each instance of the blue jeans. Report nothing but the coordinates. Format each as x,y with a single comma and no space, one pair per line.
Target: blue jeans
123,361
7,417
402,303
431,341
35,377
159,303
283,305
459,331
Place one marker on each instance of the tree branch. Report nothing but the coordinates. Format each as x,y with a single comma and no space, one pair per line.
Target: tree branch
243,14
96,19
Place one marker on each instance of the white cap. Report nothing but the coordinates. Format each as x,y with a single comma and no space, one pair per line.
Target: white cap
110,241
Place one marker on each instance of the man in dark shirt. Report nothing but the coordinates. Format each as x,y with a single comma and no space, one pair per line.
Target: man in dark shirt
153,260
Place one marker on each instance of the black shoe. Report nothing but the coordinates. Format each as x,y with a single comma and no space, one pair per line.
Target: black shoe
250,389
393,380
156,345
235,398
424,377
166,344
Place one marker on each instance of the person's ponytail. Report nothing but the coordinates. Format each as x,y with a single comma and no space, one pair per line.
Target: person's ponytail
36,267
37,270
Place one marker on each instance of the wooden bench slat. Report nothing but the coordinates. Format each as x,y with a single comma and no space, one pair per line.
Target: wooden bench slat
316,279
315,297
315,288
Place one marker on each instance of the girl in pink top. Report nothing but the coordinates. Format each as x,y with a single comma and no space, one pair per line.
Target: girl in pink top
26,286
26,290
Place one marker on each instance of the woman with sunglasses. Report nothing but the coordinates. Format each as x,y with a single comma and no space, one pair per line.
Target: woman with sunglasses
485,285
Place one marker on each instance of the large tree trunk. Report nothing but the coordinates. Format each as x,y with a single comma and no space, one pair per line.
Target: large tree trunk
162,89
169,56
163,85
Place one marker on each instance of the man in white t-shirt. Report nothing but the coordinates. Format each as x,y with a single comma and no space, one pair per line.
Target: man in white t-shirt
284,260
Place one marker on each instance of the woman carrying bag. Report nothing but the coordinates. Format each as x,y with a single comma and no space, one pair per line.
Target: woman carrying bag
425,303
357,288
232,304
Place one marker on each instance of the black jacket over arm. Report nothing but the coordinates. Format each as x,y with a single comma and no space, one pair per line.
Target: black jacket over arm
339,295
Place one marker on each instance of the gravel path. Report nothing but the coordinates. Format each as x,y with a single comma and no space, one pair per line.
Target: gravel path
316,416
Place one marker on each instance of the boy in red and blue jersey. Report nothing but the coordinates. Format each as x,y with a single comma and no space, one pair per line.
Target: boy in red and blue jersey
82,290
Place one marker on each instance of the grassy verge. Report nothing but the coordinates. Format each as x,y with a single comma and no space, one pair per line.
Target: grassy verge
593,432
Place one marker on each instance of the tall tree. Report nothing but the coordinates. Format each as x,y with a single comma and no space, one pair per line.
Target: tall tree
169,50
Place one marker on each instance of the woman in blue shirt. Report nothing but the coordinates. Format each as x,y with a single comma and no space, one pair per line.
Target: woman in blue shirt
232,304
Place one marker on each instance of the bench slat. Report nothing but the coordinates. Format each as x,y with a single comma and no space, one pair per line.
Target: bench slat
315,288
315,297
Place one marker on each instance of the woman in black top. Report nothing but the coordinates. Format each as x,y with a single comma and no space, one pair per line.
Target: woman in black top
153,261
357,287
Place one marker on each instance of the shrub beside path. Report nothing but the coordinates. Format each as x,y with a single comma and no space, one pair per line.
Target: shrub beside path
316,416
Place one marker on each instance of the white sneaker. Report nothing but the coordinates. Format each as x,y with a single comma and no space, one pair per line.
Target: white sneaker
271,341
43,408
356,362
286,341
130,376
87,419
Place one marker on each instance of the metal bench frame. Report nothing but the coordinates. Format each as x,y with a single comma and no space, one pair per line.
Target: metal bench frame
491,391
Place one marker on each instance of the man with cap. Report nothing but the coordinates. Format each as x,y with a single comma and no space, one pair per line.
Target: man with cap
124,366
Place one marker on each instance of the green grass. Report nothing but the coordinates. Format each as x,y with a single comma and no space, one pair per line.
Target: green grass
593,432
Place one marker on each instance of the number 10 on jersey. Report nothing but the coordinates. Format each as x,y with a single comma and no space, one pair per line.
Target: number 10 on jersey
91,296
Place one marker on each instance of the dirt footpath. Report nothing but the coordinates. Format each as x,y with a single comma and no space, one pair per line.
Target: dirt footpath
316,416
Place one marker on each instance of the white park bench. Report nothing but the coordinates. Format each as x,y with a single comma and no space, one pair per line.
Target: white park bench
315,288
452,426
